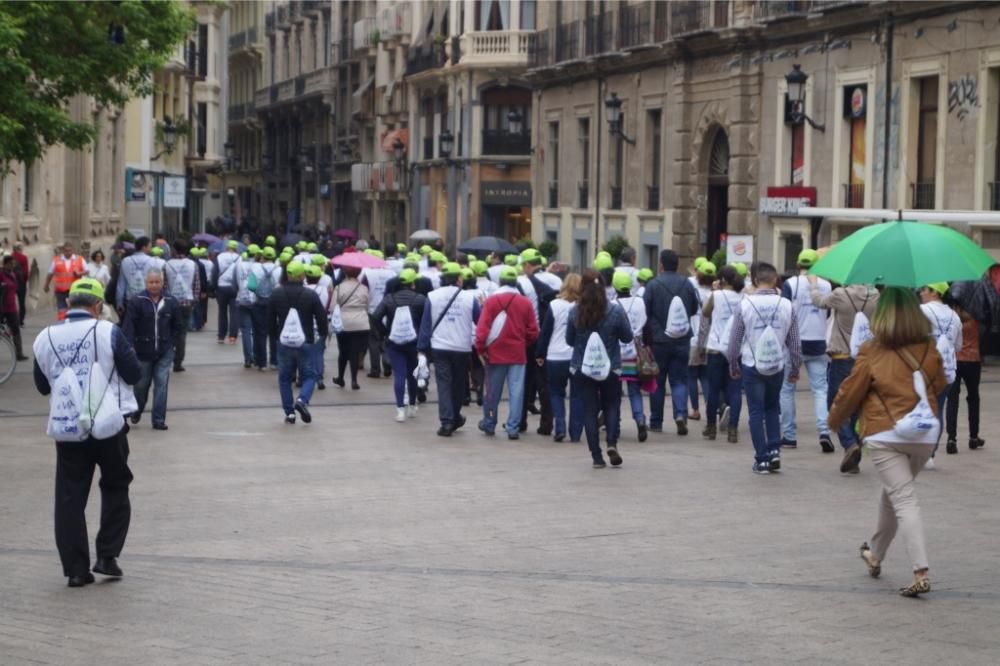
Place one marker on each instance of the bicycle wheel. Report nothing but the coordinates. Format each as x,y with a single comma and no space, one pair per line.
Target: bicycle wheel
8,358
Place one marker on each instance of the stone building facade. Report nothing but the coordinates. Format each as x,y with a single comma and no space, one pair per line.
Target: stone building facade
718,150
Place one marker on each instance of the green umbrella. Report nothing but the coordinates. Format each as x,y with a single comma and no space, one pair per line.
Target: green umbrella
903,254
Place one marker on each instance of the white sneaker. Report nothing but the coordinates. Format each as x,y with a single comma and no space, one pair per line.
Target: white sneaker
411,410
929,465
400,414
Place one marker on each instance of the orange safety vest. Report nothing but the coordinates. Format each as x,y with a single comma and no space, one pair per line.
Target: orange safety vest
67,272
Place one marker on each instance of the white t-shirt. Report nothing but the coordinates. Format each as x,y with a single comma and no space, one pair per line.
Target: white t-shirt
99,273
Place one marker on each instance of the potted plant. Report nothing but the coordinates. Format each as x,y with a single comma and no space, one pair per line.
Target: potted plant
373,40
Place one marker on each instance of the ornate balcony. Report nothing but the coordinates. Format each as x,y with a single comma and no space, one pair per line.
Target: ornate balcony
378,177
496,47
394,23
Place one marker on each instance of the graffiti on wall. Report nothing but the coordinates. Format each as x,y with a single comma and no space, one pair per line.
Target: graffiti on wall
963,96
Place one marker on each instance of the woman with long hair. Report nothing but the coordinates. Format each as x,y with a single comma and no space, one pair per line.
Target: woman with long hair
555,355
594,330
882,385
352,342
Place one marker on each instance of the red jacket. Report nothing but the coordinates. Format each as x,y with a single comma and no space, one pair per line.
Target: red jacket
22,261
8,304
521,329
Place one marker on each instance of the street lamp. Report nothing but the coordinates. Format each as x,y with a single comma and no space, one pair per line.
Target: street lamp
514,122
796,80
169,138
613,105
447,142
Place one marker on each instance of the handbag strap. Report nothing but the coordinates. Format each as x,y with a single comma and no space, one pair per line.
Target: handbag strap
914,365
445,311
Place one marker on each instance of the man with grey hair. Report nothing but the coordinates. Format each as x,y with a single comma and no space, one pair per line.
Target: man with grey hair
81,343
153,324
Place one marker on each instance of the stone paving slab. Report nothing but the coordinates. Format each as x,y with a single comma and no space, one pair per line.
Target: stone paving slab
357,540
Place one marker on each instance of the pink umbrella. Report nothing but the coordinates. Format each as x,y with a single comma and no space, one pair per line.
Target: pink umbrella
348,234
358,260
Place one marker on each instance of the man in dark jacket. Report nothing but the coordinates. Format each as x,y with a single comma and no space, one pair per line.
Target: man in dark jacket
671,349
153,323
313,321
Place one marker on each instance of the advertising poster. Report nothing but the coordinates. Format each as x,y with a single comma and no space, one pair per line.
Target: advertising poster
739,248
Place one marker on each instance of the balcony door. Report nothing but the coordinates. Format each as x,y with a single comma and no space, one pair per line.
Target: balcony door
718,192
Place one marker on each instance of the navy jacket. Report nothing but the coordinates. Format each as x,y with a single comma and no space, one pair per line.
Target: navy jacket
660,291
152,329
613,329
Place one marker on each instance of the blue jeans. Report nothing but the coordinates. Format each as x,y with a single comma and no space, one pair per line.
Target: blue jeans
635,402
319,350
559,377
290,359
156,373
403,360
246,332
697,374
225,297
259,319
598,397
816,367
673,361
763,407
839,370
721,386
495,376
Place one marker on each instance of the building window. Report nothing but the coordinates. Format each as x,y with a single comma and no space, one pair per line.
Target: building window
326,43
652,253
582,258
855,112
202,129
654,121
202,50
28,187
797,164
274,59
553,190
492,14
927,120
583,133
528,9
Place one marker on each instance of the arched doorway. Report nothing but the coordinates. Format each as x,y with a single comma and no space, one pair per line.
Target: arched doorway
718,192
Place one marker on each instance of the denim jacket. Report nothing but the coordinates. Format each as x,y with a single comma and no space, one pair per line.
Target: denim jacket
614,328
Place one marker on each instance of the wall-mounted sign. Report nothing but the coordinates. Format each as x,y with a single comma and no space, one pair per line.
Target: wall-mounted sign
859,102
739,248
173,192
786,201
137,185
505,193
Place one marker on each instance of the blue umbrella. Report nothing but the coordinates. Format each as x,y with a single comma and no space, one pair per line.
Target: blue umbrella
219,247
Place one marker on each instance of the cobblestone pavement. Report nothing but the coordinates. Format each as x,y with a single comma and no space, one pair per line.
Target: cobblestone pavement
357,540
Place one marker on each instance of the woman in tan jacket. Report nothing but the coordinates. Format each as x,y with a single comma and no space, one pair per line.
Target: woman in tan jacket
881,385
352,342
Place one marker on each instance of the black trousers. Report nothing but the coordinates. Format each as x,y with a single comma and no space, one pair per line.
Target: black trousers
536,381
377,358
351,347
451,373
970,373
22,292
180,344
75,464
13,322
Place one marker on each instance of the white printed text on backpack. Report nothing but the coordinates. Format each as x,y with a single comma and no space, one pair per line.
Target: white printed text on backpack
403,332
596,362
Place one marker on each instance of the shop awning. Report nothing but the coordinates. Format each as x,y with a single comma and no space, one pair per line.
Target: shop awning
390,137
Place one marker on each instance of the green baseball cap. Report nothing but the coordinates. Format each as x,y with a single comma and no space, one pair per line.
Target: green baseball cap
707,268
313,271
319,260
508,274
253,249
531,255
412,258
232,245
269,253
645,275
375,253
480,267
401,248
467,274
407,276
426,249
284,258
603,262
451,269
621,281
807,258
288,249
740,268
510,260
312,247
87,286
301,245
270,241
941,288
157,252
295,269
438,257
698,261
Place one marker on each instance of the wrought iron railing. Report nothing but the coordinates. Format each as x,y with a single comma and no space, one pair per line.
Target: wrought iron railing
652,198
502,142
854,195
616,198
923,195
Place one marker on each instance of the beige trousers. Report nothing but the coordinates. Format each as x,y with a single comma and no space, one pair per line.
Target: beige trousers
897,465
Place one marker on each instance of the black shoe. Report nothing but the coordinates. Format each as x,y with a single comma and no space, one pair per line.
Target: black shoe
338,381
303,411
179,368
523,427
108,566
532,409
774,464
421,396
654,428
445,431
355,386
479,398
320,385
247,365
513,435
387,373
614,457
483,429
951,447
976,443
599,464
544,432
826,443
466,401
80,581
22,357
559,436
159,426
459,422
792,443
643,432
374,375
682,427
290,419
134,418
761,468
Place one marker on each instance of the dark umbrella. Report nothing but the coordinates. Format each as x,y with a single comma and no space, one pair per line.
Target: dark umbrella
483,245
208,239
347,234
289,240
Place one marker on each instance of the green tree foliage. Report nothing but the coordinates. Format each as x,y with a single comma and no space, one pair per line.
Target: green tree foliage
615,245
549,249
719,257
51,52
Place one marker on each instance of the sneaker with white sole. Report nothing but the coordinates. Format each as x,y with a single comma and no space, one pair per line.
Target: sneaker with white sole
929,465
411,411
400,414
